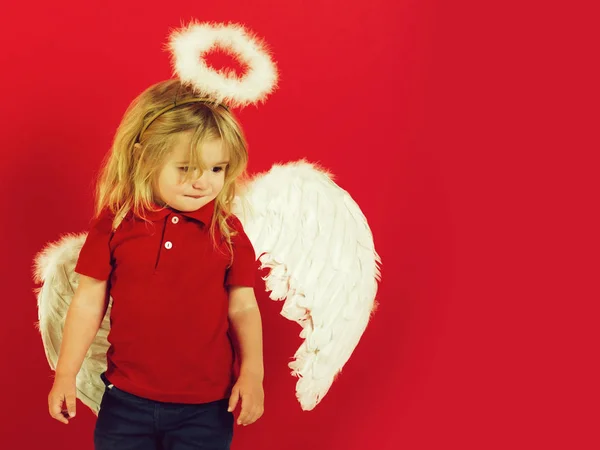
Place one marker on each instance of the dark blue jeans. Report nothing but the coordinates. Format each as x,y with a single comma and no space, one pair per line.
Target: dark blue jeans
129,422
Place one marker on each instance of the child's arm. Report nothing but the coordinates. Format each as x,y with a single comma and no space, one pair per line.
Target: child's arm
246,324
83,320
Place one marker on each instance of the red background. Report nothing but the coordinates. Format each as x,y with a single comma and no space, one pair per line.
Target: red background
466,133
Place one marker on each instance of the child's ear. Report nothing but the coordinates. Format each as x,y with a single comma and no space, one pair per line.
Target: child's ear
137,147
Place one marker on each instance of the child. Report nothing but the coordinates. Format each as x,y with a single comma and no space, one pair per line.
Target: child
180,270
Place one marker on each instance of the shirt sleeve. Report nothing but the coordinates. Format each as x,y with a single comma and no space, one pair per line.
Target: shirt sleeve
244,267
95,258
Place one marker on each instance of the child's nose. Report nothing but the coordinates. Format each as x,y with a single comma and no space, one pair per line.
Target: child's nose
201,182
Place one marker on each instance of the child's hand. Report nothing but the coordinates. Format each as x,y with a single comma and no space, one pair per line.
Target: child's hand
63,389
250,390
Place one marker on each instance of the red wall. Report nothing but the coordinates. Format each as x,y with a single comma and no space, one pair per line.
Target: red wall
460,129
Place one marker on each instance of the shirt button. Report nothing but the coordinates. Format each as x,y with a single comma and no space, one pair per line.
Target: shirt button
175,219
168,245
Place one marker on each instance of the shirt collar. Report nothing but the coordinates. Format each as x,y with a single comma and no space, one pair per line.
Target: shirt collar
203,214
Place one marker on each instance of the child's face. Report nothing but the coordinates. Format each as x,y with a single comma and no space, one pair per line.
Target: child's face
202,187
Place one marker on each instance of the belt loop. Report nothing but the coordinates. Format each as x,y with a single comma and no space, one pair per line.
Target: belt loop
106,382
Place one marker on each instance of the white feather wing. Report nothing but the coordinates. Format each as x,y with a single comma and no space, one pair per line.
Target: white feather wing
54,270
322,260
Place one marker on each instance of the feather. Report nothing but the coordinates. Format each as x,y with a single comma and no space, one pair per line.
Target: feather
319,248
54,270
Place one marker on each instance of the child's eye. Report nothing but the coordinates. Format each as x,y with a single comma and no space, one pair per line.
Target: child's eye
184,168
217,169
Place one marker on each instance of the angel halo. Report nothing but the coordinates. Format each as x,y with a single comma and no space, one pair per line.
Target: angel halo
190,44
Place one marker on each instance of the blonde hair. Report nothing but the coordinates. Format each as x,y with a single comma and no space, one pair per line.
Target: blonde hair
126,181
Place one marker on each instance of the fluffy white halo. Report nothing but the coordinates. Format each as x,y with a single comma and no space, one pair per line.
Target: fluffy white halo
189,45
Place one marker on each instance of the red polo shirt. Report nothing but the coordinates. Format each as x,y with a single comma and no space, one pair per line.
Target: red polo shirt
169,336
